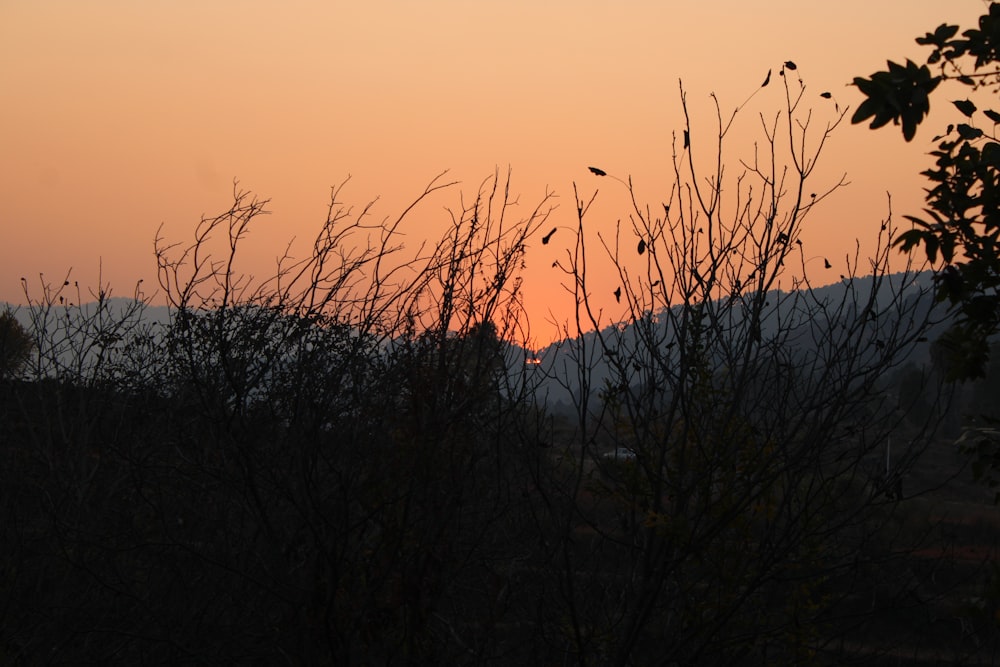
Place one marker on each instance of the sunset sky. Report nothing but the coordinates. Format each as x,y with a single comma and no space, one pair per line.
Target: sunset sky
117,116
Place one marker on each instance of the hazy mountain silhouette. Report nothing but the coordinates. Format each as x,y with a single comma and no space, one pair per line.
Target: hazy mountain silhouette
796,320
801,318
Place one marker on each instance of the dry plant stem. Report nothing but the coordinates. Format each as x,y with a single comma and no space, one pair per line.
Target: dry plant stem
735,398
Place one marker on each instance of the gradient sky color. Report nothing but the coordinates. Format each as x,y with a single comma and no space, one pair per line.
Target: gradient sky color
118,116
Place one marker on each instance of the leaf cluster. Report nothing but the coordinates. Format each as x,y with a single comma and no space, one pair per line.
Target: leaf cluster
900,95
960,225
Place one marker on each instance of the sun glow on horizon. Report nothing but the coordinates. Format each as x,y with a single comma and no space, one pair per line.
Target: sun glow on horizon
120,118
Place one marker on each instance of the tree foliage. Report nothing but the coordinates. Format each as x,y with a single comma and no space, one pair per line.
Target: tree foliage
960,227
15,345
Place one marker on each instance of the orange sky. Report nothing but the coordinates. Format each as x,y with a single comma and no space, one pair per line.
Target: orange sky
118,116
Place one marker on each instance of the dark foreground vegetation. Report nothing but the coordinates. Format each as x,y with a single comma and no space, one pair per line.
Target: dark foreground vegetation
353,462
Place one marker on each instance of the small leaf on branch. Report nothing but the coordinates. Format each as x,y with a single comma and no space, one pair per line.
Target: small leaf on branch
965,106
938,38
968,132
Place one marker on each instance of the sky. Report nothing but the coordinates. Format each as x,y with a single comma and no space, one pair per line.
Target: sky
118,116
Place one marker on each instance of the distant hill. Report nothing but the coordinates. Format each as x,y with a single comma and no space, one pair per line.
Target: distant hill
116,307
801,319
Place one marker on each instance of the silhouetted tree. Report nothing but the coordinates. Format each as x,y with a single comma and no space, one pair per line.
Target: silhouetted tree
960,225
15,345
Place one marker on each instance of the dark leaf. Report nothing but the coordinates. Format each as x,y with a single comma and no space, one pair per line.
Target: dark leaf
826,95
968,133
945,31
868,87
599,172
931,245
965,106
767,79
992,115
865,110
939,37
642,246
947,247
790,65
910,239
687,138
